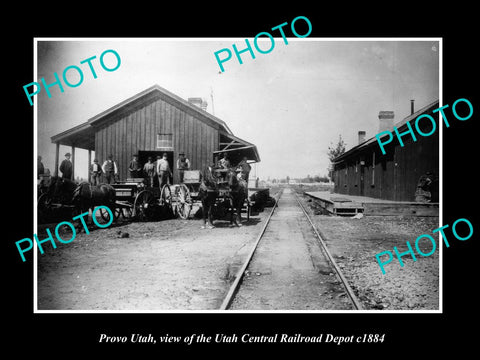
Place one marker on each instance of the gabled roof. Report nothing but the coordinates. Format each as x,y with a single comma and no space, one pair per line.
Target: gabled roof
401,125
83,135
154,92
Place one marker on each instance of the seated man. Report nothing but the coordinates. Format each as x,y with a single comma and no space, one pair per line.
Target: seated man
224,162
423,192
244,168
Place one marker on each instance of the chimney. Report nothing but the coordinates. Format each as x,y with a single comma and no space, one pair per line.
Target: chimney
361,137
385,121
202,104
412,106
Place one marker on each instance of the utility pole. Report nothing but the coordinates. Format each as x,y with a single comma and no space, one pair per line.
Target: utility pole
213,106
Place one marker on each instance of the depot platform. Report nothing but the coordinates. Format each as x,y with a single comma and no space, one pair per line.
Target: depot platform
350,205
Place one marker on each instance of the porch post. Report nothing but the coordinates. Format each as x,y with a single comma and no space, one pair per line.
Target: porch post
73,162
57,152
88,165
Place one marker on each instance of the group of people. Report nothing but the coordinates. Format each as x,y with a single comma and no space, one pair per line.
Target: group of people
109,168
150,170
160,168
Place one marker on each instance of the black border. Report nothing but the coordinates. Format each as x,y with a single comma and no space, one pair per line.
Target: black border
409,333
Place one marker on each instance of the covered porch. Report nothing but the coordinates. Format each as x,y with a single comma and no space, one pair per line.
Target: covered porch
78,137
236,149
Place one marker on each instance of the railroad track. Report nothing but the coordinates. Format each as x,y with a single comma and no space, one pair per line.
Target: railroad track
283,253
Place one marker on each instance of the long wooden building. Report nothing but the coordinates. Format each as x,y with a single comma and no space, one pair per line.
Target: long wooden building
151,123
364,171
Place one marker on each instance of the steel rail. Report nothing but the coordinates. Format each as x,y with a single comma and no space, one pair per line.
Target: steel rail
239,276
348,289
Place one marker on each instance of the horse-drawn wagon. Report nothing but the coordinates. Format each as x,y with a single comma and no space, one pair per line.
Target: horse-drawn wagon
130,199
219,195
219,191
136,201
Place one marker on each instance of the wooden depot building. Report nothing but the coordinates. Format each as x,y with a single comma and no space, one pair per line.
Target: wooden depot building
151,123
364,171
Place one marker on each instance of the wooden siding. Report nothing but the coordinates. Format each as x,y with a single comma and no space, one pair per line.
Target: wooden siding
396,173
137,129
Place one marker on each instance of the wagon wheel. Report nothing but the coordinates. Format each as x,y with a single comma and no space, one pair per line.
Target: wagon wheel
144,205
166,200
106,216
127,213
44,207
184,201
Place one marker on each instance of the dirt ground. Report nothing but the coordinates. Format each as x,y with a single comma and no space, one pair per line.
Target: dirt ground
176,265
164,265
354,244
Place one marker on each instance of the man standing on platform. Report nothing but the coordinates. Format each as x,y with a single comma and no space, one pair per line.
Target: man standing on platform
134,167
163,171
149,169
66,167
95,172
40,167
110,169
182,164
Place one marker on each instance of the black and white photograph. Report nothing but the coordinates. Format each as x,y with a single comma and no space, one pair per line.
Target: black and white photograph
225,180
259,187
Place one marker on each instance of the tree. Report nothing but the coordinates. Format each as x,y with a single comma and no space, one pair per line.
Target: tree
334,151
337,150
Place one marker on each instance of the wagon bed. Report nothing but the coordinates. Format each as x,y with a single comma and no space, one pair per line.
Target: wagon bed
136,201
186,194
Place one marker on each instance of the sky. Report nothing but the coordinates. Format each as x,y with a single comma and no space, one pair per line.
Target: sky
292,103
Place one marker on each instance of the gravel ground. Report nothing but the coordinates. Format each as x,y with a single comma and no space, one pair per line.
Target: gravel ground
174,265
354,244
154,266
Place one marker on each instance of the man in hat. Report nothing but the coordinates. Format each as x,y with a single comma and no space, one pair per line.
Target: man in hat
182,164
95,172
40,167
224,162
163,171
149,169
66,167
134,167
110,169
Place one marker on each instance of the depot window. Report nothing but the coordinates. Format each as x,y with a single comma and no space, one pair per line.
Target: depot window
164,140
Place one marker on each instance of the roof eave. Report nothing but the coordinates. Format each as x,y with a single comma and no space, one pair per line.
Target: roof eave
400,126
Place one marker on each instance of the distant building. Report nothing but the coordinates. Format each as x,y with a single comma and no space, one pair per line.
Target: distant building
364,170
